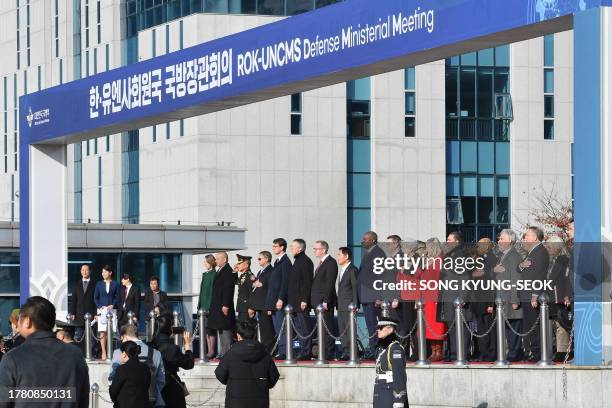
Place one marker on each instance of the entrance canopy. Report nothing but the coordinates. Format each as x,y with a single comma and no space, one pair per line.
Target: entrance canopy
341,42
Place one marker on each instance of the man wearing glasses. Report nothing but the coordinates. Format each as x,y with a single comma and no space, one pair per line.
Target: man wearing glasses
323,291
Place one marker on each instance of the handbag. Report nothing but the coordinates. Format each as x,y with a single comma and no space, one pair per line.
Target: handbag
181,384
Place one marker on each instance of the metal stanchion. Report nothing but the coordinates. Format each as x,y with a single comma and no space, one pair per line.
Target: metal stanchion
289,335
459,333
109,336
422,342
94,395
175,323
545,332
130,316
320,337
87,334
354,355
151,332
385,309
69,318
501,335
202,323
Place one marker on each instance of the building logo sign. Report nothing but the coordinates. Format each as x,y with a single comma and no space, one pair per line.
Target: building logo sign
40,117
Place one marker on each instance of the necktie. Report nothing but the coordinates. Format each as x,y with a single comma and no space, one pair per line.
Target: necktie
85,283
276,262
124,294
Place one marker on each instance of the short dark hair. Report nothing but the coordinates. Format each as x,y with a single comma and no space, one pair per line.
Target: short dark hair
128,277
267,255
301,243
130,348
108,268
246,329
87,265
281,242
154,278
346,251
40,311
457,235
538,231
395,238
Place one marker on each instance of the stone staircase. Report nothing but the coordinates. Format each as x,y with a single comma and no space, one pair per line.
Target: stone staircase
204,388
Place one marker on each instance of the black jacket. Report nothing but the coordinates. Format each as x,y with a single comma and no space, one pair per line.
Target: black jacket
536,271
278,282
300,281
259,296
83,302
173,360
148,301
347,288
446,296
323,288
222,295
249,373
45,362
130,386
482,299
366,275
244,281
132,303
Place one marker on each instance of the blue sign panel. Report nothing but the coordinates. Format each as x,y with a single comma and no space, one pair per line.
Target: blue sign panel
351,34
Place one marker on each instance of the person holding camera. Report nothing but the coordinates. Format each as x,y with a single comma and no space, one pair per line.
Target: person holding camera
174,391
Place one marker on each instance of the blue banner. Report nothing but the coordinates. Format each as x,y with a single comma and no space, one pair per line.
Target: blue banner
345,35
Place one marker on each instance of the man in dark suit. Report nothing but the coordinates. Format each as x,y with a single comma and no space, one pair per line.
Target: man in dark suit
43,361
534,267
259,296
277,290
83,300
365,278
221,315
154,297
483,299
130,299
298,289
346,288
323,291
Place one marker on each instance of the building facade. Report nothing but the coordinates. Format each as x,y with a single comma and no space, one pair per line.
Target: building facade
468,143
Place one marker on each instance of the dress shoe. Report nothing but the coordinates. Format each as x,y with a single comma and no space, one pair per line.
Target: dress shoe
344,357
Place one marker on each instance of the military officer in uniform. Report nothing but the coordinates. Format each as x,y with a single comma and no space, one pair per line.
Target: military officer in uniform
390,383
244,280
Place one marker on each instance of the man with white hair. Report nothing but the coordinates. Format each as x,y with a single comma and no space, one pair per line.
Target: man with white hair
506,270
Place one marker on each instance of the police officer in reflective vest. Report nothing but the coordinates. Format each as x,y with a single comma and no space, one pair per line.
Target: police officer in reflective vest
390,383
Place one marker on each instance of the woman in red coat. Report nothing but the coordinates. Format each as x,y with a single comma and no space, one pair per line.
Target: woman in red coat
429,277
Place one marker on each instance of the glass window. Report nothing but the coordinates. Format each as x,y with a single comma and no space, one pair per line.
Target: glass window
485,210
486,187
358,89
502,158
298,6
468,92
409,78
243,6
549,129
468,188
502,56
503,187
549,80
549,106
357,150
7,304
469,59
501,80
296,102
323,3
271,7
454,212
469,159
451,91
549,50
502,209
485,93
468,204
409,127
486,157
358,189
452,157
167,267
215,6
358,222
296,124
9,273
452,186
410,103
485,58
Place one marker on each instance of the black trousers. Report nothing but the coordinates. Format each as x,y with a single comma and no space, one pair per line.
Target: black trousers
487,344
531,342
330,343
266,329
407,317
344,319
515,350
301,320
452,335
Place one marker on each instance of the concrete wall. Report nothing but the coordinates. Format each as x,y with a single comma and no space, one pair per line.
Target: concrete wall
339,386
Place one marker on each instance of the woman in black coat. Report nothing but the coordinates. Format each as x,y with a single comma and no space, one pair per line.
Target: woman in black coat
130,386
174,359
248,371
